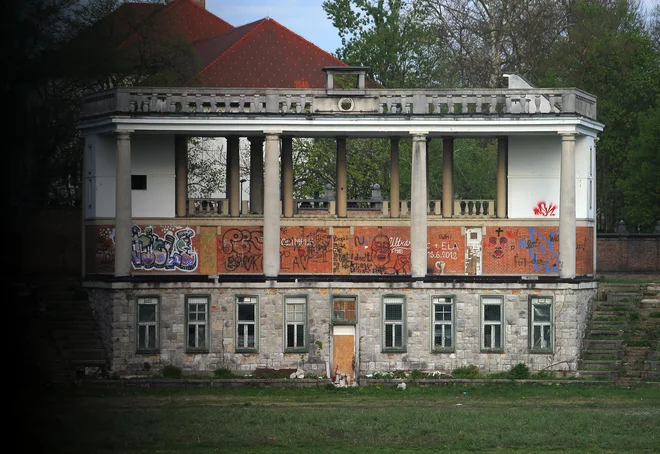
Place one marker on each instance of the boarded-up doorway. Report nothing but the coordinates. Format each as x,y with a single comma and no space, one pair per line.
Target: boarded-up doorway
343,351
473,251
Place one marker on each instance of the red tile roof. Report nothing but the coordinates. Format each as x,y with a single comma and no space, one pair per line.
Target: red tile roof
262,54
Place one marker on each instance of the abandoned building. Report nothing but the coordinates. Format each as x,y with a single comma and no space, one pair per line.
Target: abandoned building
334,286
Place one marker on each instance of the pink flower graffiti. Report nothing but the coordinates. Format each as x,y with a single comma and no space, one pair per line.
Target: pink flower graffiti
543,209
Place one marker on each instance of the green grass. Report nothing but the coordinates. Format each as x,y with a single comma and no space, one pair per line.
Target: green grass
629,280
380,419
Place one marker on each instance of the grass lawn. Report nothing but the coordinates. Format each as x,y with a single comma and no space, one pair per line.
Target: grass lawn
379,419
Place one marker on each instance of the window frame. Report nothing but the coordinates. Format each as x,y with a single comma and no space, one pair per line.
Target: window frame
436,300
535,300
336,321
491,300
207,332
384,324
255,348
305,324
141,301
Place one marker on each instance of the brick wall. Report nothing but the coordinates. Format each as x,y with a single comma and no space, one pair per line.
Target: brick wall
628,252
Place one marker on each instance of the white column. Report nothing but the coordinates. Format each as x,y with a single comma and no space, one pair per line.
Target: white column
271,246
567,229
418,221
123,206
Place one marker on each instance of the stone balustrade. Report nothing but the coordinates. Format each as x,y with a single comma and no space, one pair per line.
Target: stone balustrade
144,101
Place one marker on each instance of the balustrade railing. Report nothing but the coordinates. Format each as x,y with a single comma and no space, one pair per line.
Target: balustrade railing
456,102
207,207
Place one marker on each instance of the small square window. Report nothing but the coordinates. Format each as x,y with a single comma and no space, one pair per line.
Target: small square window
394,324
344,310
442,323
247,323
139,182
147,338
197,323
540,324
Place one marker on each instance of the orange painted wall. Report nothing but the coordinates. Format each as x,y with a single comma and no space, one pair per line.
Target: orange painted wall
446,251
333,250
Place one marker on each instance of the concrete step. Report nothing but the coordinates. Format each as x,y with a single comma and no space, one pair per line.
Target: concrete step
602,354
616,306
597,374
602,344
600,364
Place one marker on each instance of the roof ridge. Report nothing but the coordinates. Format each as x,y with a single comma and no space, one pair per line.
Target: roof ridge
197,5
199,73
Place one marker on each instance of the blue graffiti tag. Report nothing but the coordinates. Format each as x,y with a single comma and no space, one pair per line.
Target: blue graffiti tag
542,250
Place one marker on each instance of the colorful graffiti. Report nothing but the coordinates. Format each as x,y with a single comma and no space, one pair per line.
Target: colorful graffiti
498,244
341,253
543,252
240,249
545,209
171,251
380,251
305,250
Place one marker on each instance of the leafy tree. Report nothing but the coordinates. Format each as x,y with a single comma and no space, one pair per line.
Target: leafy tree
392,39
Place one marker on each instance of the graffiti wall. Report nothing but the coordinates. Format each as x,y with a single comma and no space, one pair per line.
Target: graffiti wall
305,250
333,250
446,251
380,250
153,248
240,250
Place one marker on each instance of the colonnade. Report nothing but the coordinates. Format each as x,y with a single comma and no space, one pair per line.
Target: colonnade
265,190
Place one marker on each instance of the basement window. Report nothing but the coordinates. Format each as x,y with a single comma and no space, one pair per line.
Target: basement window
394,323
442,313
295,313
247,326
197,323
540,324
148,317
492,324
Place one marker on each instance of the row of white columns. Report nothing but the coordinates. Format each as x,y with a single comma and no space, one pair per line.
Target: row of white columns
269,193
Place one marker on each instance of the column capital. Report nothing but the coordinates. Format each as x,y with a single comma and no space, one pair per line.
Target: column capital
271,133
567,136
123,134
419,136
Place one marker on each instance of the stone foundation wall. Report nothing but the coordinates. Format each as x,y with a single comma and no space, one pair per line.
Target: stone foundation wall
571,308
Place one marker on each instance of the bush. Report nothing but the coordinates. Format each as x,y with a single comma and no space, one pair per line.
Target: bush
171,371
470,371
519,371
223,372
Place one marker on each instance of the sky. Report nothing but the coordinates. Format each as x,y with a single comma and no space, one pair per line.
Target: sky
304,17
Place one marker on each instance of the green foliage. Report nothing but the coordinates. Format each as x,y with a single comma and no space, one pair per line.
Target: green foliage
654,314
469,371
223,372
519,371
172,371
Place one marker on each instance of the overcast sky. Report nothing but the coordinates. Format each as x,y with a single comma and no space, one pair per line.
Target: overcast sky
304,17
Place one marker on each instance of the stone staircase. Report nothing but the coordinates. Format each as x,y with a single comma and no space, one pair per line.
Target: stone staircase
622,341
67,343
